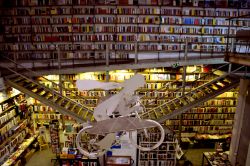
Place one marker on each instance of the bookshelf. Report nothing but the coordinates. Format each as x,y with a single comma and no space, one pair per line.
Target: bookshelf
164,155
14,127
54,137
21,149
42,115
87,30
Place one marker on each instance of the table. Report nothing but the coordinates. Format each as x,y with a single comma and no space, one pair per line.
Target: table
216,159
77,161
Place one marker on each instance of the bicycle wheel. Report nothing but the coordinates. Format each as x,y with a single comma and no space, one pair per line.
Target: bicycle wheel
143,133
87,143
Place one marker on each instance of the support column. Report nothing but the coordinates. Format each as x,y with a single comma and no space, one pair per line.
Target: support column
107,78
136,53
107,54
241,135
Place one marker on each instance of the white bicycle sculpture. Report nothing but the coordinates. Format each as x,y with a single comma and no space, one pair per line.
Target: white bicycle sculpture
116,116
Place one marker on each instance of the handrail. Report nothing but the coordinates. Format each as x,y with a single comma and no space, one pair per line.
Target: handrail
242,16
192,91
45,87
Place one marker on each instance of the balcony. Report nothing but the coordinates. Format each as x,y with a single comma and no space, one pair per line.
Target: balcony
238,46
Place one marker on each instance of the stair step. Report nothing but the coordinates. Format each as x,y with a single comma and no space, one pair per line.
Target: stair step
208,89
30,86
195,95
50,97
19,79
158,113
80,112
214,86
164,110
190,98
68,105
85,115
38,91
224,82
169,107
58,100
182,100
176,103
152,115
72,109
46,94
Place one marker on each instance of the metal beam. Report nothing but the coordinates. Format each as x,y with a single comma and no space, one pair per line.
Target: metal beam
120,66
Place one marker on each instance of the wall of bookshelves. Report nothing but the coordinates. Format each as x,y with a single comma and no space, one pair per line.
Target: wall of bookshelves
86,29
14,122
163,84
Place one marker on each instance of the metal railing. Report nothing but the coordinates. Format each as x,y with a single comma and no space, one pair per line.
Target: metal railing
55,91
238,44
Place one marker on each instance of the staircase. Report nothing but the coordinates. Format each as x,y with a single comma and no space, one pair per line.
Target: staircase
49,97
192,98
81,113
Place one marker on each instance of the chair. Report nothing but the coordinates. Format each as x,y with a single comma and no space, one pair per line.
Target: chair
42,143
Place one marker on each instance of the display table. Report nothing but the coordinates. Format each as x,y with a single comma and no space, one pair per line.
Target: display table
75,161
118,161
216,159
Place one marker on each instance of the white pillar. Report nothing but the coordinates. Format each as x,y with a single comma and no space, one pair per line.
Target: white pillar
240,133
248,156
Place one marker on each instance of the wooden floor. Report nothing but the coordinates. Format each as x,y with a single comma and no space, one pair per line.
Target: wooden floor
43,158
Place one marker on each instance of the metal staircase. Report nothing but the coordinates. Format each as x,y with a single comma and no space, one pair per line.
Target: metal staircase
192,98
49,96
81,113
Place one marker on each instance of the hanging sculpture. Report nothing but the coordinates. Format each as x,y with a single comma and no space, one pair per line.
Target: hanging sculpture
115,116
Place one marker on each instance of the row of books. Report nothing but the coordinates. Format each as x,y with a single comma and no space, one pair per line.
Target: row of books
198,48
221,102
205,122
214,116
14,34
131,10
200,3
51,116
122,75
212,109
25,143
181,38
6,106
159,156
208,109
6,150
95,23
66,55
54,137
154,39
5,130
207,129
7,116
157,163
145,45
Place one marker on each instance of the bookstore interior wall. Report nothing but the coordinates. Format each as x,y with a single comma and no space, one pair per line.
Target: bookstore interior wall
84,29
212,120
40,30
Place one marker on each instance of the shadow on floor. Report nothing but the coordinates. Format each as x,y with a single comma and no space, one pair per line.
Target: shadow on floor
194,155
41,158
